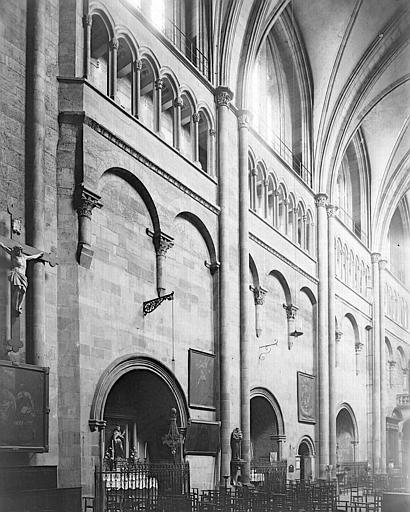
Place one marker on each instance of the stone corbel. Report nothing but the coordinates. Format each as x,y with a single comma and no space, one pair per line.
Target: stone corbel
213,267
162,243
96,424
85,201
259,298
291,310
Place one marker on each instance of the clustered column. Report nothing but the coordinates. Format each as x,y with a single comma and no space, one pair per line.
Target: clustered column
223,98
323,355
243,126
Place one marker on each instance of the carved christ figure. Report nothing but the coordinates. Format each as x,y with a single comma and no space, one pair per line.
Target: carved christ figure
17,274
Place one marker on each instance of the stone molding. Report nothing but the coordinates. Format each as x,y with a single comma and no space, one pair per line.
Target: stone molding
80,117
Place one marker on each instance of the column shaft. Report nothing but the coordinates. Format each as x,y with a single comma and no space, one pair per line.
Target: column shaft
245,314
383,380
376,365
223,98
113,68
87,23
323,355
332,341
35,134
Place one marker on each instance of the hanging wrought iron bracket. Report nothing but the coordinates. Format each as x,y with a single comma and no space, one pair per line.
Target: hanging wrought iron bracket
267,348
151,305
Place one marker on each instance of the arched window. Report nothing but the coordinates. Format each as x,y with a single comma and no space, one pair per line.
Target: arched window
187,135
146,107
356,273
345,263
204,142
260,190
251,182
125,71
168,96
309,242
271,200
362,279
352,188
291,228
282,209
301,225
339,258
100,37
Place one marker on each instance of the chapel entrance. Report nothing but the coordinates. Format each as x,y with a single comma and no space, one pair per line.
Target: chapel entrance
137,412
345,438
264,431
305,461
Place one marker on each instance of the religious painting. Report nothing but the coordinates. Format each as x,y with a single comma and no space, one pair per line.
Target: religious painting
23,407
306,398
201,379
202,438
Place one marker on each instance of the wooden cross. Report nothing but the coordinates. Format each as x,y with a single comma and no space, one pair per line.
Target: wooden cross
15,343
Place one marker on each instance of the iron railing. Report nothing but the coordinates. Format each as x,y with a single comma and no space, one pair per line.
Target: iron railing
269,476
128,485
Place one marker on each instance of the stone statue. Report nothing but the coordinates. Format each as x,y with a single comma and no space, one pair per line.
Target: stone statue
117,442
236,438
17,274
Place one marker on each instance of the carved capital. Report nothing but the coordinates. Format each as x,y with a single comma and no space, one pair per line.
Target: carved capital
291,310
358,347
258,295
138,65
97,425
375,256
223,96
85,201
338,335
159,84
162,242
382,264
87,20
113,44
320,200
244,118
391,364
196,116
212,132
331,210
178,102
254,172
213,267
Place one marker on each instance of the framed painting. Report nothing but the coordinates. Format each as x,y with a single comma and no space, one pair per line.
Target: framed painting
202,438
24,407
306,397
201,371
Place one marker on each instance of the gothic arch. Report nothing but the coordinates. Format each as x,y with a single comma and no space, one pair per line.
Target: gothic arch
132,180
267,395
128,363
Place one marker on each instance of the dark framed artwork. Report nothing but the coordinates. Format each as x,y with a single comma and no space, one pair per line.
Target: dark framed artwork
201,369
306,397
202,438
24,407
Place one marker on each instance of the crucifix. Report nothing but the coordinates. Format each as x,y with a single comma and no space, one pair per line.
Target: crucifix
20,253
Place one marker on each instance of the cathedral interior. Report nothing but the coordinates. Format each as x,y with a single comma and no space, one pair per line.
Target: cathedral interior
204,255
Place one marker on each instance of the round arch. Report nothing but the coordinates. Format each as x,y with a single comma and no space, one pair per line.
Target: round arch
98,9
309,442
281,278
348,408
203,230
254,271
120,367
132,180
269,397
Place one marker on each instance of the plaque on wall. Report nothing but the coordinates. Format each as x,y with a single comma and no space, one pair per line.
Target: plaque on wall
23,407
306,398
202,438
201,379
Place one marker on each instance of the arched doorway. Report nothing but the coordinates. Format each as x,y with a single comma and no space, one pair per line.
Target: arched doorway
346,436
137,394
306,456
267,427
139,404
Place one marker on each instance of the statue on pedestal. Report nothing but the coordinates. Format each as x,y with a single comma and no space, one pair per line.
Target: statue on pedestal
236,461
17,274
